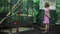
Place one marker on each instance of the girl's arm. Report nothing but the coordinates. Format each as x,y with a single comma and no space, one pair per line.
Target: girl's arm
47,14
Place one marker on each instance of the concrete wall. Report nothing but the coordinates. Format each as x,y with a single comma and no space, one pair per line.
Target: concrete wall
51,2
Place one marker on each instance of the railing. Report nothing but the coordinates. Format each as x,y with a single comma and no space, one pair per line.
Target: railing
19,2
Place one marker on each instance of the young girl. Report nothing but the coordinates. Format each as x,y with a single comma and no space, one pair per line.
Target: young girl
46,17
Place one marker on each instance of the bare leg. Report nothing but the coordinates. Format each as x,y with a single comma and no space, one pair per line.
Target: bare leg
46,28
42,28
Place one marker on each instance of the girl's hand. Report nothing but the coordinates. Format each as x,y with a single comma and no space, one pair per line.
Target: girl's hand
49,16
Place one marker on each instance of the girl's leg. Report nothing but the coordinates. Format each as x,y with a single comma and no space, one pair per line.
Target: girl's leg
42,27
46,28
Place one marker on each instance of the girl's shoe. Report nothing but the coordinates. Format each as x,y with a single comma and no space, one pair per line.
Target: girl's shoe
44,32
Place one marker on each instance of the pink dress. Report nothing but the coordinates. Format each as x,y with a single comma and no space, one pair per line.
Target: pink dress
46,18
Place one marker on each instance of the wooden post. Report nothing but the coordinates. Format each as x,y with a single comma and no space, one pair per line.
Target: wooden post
17,30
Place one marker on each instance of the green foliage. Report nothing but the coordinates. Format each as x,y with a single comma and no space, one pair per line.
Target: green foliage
4,8
33,11
1,1
58,10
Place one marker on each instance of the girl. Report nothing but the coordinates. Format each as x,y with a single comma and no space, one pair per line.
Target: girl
46,17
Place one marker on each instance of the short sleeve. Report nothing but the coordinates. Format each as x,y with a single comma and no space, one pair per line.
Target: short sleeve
46,11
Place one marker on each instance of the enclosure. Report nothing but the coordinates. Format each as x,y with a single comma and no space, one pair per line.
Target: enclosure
27,11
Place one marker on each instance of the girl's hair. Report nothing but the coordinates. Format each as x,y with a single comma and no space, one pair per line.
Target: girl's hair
46,4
